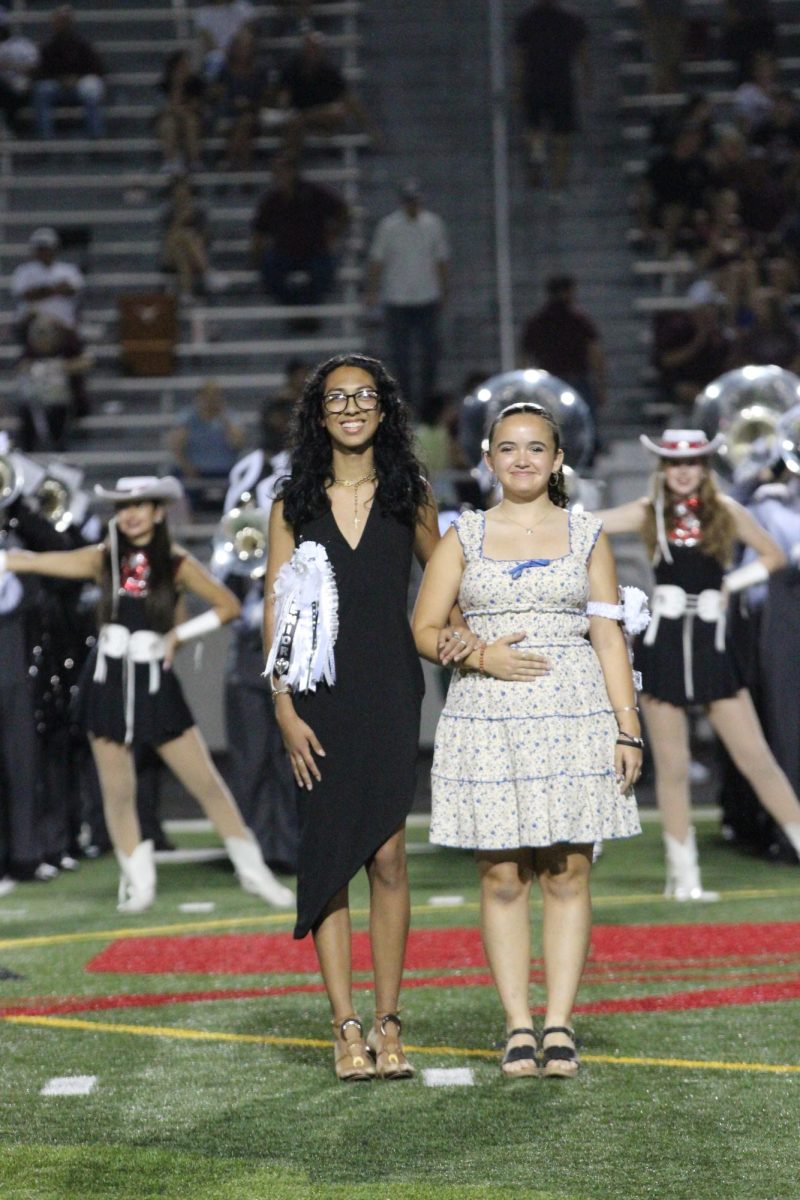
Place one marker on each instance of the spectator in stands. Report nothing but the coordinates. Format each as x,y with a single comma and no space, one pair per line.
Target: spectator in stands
561,338
779,138
697,111
772,337
240,91
754,98
19,59
297,227
185,241
45,283
665,34
206,443
51,385
217,24
674,187
70,72
409,267
278,407
692,347
316,95
748,27
548,42
179,123
438,447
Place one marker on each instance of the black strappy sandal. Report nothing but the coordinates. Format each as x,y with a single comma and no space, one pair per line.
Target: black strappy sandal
559,1062
526,1056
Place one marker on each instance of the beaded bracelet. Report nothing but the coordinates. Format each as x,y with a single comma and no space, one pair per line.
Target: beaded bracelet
481,654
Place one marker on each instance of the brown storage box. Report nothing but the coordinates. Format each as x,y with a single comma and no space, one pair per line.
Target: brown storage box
148,332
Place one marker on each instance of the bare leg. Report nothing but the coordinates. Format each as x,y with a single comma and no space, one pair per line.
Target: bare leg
563,872
505,879
117,775
332,941
167,130
736,723
188,758
668,739
389,917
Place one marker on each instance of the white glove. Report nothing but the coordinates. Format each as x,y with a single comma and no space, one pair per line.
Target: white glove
207,622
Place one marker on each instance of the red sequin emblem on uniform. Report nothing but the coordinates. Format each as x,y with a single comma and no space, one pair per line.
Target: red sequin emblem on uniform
134,573
687,529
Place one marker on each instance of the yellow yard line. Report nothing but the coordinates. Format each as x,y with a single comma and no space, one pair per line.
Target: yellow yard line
598,901
207,1035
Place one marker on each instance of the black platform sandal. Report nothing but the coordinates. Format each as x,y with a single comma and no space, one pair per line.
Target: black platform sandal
559,1062
526,1056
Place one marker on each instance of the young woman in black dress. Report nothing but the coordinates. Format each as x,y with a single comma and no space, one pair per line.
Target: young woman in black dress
357,490
129,696
690,530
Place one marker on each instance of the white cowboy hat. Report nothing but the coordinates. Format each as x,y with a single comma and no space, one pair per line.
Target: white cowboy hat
134,488
682,443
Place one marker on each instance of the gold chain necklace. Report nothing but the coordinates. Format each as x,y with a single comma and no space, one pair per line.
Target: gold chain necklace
356,484
527,528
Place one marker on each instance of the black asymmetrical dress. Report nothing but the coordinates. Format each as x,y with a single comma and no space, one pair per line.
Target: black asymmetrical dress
368,721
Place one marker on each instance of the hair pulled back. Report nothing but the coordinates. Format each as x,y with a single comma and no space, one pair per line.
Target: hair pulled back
556,487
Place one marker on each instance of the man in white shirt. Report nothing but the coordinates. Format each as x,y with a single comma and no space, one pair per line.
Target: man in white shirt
45,284
409,267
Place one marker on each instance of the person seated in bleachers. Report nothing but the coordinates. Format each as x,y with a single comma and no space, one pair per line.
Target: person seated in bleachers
754,98
46,283
51,382
779,138
748,28
674,186
316,96
179,123
19,58
692,346
217,24
277,407
186,240
70,72
772,337
240,91
296,228
205,443
664,27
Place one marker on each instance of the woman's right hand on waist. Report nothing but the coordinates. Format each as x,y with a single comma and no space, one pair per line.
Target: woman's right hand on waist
504,660
301,744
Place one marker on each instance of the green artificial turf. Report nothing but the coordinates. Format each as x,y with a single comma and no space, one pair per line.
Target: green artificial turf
218,1117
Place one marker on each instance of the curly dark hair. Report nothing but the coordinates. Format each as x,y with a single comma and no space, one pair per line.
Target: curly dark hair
402,489
556,487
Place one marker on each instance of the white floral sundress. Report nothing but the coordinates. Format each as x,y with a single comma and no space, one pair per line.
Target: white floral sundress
529,764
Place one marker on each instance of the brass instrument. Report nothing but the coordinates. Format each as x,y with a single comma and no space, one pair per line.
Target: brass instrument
10,481
747,406
240,543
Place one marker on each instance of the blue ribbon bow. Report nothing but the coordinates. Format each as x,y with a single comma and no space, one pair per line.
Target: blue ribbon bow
517,570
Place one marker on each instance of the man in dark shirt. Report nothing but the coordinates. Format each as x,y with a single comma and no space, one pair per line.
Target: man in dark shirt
70,72
316,94
675,185
548,41
296,227
562,339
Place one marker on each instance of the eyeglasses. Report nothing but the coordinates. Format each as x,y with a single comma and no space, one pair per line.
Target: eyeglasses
366,400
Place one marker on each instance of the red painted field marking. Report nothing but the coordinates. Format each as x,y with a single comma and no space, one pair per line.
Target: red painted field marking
437,949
